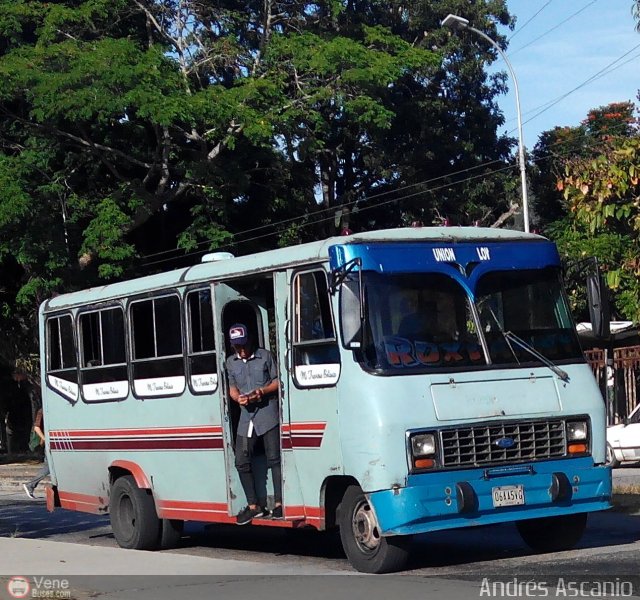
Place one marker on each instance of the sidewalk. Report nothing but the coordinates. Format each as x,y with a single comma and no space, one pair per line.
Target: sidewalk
21,469
22,556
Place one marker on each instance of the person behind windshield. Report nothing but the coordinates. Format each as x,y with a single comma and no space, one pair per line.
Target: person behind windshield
420,324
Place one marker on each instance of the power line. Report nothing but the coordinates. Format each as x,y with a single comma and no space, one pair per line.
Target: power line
566,20
517,31
604,71
567,151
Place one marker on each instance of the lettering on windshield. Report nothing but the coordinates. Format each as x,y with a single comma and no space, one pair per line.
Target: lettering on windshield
483,253
449,255
444,254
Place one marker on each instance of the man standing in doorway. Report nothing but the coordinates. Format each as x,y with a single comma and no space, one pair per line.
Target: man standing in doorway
253,384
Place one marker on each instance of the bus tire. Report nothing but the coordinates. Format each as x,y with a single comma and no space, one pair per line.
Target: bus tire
170,533
611,459
366,549
133,515
552,534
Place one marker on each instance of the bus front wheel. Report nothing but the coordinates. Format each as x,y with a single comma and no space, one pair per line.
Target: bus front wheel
552,534
133,515
366,549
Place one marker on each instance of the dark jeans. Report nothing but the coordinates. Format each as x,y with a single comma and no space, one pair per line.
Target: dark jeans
244,451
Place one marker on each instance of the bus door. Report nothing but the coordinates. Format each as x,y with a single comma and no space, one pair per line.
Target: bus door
231,306
311,448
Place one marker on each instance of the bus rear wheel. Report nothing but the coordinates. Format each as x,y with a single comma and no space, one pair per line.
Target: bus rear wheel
133,515
366,549
552,534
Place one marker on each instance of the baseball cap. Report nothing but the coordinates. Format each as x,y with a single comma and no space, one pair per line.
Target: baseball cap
238,335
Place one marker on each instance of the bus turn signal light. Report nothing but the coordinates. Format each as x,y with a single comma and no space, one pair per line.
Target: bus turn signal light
577,448
424,463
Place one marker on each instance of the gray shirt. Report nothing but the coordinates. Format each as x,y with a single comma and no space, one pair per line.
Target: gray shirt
257,371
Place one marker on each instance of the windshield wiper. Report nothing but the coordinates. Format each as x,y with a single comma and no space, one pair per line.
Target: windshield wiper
510,337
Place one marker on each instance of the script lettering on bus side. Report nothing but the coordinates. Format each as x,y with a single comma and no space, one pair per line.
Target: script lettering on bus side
66,388
161,386
205,382
317,375
106,391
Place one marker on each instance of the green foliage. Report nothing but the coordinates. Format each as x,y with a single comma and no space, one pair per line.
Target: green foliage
600,186
121,119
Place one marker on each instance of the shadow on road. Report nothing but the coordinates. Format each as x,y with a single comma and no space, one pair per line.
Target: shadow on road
35,521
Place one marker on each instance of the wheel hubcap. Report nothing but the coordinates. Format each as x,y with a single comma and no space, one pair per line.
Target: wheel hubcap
365,528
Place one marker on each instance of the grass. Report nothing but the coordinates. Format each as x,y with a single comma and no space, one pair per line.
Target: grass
627,489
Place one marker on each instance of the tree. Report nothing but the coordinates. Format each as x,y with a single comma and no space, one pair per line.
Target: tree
601,188
132,128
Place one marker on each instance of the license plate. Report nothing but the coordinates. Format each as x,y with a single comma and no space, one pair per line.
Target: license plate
508,495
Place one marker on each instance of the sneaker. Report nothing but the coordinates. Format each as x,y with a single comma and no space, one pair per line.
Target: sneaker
276,513
247,514
28,491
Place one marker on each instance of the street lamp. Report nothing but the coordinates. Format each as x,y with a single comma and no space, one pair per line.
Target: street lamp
456,23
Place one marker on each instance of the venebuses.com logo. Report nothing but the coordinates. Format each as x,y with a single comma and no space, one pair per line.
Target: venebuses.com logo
18,587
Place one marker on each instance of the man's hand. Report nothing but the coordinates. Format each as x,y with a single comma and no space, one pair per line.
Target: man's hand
243,399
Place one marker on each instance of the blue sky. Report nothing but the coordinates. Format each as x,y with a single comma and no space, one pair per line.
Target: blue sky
560,49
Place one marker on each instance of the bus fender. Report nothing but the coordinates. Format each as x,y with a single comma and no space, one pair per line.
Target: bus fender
142,481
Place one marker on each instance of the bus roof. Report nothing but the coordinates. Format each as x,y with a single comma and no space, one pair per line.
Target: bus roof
308,253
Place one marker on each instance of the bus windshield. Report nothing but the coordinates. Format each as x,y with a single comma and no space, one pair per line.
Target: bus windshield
425,321
531,305
418,321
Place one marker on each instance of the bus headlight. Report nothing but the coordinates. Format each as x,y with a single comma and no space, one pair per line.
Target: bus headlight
423,450
577,437
577,431
423,444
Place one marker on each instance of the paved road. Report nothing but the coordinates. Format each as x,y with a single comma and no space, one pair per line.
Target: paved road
610,545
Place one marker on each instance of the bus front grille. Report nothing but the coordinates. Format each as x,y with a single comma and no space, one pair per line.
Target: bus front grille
496,443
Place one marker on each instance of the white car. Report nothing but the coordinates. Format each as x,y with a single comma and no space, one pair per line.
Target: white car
623,440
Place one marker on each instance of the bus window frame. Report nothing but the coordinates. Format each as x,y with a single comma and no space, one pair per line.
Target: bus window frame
152,297
55,373
188,342
312,343
89,309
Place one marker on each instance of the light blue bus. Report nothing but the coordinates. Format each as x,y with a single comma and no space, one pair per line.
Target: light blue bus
430,378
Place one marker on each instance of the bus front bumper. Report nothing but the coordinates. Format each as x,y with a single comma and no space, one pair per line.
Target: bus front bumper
451,499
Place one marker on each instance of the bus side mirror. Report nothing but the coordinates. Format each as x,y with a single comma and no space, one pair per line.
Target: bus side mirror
598,300
351,314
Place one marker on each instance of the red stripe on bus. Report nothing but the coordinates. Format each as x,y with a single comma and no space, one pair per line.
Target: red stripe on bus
83,502
304,426
218,512
306,442
141,444
151,431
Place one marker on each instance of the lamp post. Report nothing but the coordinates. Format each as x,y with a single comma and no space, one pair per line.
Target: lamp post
456,23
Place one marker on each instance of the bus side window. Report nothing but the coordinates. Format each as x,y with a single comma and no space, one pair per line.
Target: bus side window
314,339
62,372
102,355
156,344
201,349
